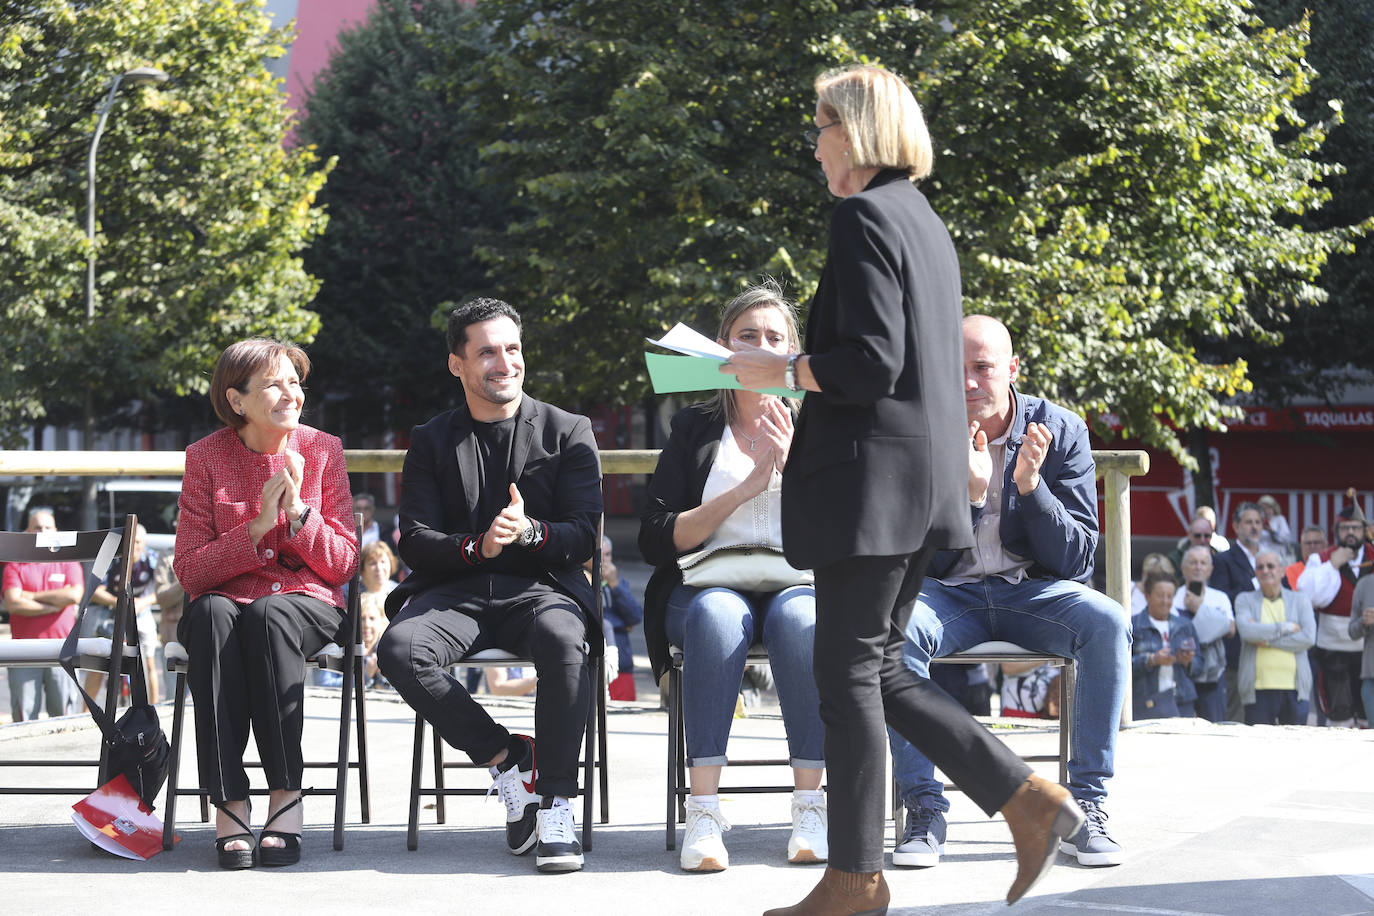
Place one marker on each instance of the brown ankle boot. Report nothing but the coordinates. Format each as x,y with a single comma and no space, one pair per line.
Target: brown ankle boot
1039,814
843,893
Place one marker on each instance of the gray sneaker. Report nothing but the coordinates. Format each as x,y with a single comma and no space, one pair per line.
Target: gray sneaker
1091,845
923,839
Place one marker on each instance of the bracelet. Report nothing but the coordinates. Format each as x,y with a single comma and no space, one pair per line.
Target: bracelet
789,375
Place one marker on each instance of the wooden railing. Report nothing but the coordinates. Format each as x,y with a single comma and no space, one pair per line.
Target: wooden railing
1115,467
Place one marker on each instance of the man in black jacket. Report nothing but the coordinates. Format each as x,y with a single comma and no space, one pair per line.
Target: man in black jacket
1235,575
500,501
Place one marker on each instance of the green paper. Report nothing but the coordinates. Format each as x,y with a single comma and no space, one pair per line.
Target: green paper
671,374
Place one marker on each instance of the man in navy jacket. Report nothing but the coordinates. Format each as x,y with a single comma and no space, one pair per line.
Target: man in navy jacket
1033,501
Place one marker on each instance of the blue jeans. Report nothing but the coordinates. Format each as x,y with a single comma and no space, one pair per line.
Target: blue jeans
715,627
1366,694
1047,615
1211,700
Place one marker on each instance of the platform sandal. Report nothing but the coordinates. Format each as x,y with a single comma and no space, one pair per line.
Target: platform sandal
234,859
288,854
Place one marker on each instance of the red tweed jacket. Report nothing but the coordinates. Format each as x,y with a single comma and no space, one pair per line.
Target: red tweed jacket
221,493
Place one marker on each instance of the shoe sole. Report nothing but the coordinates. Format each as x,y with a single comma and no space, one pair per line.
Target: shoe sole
805,857
558,863
1091,859
918,859
707,864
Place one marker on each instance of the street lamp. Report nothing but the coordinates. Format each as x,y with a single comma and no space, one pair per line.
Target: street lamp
130,77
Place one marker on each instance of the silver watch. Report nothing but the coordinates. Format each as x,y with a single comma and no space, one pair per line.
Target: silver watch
526,537
789,375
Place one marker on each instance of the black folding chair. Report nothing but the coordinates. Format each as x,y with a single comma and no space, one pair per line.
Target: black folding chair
348,661
594,738
999,652
677,749
95,653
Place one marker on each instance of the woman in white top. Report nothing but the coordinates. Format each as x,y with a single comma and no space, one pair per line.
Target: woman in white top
718,484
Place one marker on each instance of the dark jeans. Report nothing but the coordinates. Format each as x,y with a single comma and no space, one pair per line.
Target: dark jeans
1211,700
438,628
246,664
862,607
1276,707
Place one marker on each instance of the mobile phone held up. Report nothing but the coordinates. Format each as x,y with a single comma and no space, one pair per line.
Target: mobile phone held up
1196,588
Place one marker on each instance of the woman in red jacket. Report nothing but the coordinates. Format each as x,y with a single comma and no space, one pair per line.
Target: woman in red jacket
265,541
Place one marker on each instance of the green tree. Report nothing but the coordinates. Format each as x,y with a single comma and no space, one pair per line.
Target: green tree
1109,171
403,205
200,209
1325,349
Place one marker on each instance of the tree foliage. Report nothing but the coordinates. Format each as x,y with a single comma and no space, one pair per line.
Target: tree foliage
200,209
1325,349
1122,179
403,205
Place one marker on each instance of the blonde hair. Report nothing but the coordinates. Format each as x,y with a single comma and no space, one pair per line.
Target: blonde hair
885,126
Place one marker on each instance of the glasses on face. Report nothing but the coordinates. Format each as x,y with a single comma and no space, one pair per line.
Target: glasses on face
1200,536
1259,566
813,136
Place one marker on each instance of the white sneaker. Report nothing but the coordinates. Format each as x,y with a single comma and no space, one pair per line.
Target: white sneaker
516,789
558,848
808,843
703,845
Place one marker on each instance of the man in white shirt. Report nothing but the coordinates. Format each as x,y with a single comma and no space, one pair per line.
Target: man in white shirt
1210,611
1329,581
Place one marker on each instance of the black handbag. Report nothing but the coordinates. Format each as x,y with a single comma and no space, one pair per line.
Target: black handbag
135,745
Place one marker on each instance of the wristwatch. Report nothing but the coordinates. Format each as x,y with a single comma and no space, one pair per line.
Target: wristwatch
789,375
526,537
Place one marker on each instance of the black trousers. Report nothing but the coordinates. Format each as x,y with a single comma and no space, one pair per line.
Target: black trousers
862,608
438,628
246,665
1340,683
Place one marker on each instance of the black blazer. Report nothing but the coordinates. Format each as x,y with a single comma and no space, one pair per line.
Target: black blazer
879,460
677,485
554,462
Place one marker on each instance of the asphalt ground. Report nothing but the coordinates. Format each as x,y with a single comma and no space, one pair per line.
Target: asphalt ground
1215,819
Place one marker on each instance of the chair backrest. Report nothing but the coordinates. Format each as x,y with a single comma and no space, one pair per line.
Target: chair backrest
98,548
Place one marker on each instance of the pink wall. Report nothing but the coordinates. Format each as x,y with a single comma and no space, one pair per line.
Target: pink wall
317,24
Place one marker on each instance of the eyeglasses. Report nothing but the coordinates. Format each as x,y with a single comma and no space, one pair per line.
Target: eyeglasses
1200,536
1266,566
813,136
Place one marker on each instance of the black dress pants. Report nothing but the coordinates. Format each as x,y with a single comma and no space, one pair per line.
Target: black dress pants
862,608
438,628
1340,683
246,664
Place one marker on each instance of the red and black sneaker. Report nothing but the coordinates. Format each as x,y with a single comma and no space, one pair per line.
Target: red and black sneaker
516,787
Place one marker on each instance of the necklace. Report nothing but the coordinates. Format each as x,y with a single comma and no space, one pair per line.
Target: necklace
752,440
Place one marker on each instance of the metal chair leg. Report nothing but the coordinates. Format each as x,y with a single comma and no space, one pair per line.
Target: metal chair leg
417,754
174,762
364,780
